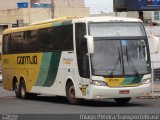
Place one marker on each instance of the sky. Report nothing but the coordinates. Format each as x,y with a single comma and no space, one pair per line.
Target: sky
99,6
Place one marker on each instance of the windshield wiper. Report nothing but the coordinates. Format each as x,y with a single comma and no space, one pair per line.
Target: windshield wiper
118,60
132,64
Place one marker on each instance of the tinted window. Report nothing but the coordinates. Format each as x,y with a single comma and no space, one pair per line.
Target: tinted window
81,47
41,40
6,39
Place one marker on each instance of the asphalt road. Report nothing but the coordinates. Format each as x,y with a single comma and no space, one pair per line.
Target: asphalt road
52,105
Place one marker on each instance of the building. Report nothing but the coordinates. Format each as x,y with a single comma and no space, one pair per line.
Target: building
12,4
39,10
30,11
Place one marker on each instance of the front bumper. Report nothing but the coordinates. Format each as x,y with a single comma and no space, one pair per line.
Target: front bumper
100,92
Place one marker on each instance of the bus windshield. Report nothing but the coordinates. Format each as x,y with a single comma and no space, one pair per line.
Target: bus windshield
120,55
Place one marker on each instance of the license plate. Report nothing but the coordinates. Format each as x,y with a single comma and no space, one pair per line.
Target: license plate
124,92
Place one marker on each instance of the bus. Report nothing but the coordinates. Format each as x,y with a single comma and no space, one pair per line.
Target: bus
87,58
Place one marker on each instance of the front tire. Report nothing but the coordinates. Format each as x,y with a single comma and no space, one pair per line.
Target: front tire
122,100
70,94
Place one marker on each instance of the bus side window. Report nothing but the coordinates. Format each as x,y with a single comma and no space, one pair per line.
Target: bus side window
81,48
6,40
32,41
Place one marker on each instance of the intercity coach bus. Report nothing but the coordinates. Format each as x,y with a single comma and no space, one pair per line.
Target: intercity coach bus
79,58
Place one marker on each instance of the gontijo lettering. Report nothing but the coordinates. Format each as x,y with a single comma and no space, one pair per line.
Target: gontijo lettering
26,59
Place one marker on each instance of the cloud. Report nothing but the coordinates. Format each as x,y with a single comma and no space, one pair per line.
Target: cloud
99,6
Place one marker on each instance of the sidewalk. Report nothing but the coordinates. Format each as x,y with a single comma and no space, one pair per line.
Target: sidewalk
156,94
156,89
151,96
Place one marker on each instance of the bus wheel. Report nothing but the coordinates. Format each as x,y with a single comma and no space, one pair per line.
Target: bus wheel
23,92
70,93
16,89
122,100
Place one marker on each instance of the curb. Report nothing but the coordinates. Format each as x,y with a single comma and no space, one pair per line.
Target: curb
149,97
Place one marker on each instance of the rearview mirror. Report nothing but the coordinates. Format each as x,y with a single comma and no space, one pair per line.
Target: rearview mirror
90,44
154,44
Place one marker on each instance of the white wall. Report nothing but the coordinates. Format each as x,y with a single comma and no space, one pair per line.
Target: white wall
10,16
31,15
69,3
77,12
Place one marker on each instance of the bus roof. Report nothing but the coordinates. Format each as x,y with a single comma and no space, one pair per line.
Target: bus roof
106,19
51,22
38,25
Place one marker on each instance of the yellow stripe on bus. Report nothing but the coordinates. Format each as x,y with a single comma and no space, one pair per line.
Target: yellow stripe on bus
21,65
114,82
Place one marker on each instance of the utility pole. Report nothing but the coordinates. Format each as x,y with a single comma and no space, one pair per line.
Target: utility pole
52,8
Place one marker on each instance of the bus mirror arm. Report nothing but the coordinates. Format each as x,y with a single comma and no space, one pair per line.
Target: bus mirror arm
90,44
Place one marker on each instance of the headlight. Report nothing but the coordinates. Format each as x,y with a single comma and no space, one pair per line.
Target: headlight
146,81
98,83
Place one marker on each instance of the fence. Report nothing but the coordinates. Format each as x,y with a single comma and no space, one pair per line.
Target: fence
155,76
155,30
